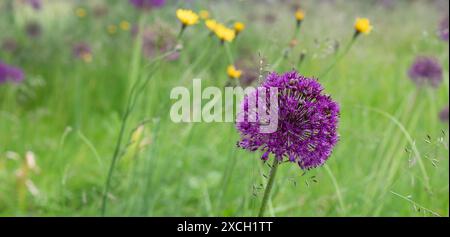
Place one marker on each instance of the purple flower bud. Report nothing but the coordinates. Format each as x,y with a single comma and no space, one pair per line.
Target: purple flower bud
426,70
35,4
307,121
443,115
148,4
10,73
33,29
443,29
81,50
9,45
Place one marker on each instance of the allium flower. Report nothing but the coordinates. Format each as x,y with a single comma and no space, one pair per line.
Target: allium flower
35,4
148,4
443,115
82,51
388,4
10,73
443,29
9,45
269,18
157,40
250,70
426,70
33,29
307,122
100,11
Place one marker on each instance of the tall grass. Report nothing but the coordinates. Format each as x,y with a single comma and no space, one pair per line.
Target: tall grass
384,164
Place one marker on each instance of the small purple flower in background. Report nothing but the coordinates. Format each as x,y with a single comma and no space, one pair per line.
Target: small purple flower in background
388,4
173,56
250,70
443,29
148,4
33,29
307,127
270,18
82,51
35,4
443,115
9,45
10,73
100,11
426,70
156,40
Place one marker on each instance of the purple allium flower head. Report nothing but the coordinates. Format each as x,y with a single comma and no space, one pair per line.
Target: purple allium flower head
250,67
443,115
100,11
10,73
388,4
158,39
148,4
81,50
33,29
9,45
443,28
35,4
426,70
307,122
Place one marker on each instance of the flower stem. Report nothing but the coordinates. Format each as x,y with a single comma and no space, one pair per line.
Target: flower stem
114,160
229,54
339,57
273,172
182,29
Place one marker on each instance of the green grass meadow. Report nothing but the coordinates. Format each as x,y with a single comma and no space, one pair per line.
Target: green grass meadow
391,160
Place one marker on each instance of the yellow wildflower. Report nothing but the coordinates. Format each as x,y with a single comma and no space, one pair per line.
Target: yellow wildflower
211,24
187,17
112,29
204,14
224,33
81,12
239,26
233,72
362,25
299,15
124,25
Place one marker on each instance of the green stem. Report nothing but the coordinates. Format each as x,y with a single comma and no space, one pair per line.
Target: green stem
114,160
134,75
297,30
183,28
347,49
273,172
229,54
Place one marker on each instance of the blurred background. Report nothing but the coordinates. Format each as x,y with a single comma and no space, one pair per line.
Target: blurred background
66,69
